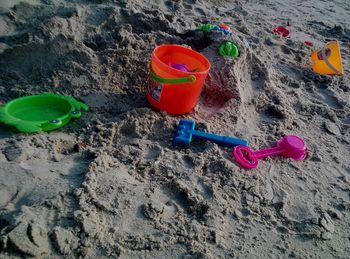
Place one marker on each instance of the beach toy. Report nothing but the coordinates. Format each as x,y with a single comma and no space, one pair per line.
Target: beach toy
224,30
181,67
185,132
281,31
42,112
225,27
327,61
207,27
308,43
289,147
229,49
172,90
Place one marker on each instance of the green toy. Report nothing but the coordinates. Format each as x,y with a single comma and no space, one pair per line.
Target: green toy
228,48
206,27
43,112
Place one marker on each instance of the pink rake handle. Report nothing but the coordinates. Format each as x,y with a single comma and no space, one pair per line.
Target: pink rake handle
275,151
290,146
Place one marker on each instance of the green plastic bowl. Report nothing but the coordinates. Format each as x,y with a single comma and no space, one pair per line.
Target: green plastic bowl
43,112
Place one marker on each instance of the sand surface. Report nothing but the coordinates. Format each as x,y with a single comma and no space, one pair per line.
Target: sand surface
111,185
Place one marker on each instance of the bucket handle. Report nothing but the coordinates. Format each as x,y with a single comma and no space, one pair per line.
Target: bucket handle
325,58
184,80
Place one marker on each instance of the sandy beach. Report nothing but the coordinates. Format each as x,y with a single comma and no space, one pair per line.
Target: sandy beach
110,184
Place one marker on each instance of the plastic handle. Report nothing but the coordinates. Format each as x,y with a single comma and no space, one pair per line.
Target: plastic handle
275,151
75,114
184,80
220,140
56,122
325,58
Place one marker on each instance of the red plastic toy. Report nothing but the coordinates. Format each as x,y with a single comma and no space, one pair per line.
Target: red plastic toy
308,43
281,31
172,89
225,27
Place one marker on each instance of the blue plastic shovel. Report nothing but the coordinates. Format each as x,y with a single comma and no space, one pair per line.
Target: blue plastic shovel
185,132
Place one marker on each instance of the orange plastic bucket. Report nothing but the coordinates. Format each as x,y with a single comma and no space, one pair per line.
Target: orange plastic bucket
172,90
328,61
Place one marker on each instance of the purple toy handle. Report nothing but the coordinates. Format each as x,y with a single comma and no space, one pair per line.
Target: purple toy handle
290,147
181,67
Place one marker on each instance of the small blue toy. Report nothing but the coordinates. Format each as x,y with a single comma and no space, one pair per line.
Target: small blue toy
225,29
186,131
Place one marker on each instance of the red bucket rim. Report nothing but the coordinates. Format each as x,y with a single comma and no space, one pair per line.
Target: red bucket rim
173,70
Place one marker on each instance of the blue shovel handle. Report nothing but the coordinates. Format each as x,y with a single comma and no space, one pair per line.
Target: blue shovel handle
220,140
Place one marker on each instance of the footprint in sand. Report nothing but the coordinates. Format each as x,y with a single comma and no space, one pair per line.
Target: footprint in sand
330,99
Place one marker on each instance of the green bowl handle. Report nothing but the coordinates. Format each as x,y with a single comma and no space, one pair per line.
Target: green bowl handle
184,80
55,122
75,114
